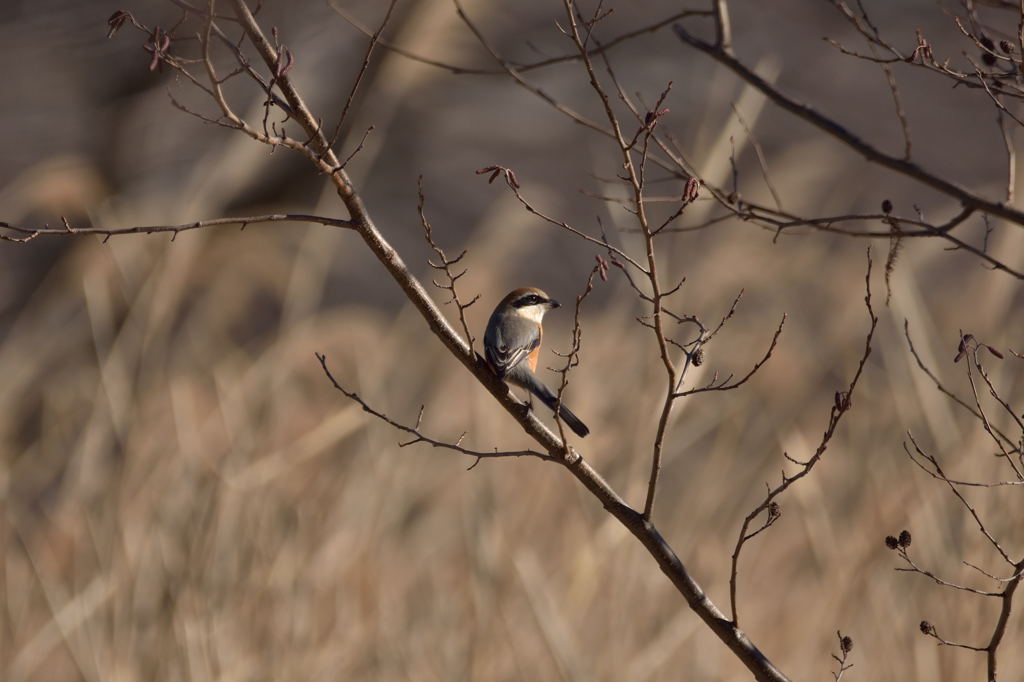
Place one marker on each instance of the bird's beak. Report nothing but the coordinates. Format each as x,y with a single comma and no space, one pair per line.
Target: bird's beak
552,303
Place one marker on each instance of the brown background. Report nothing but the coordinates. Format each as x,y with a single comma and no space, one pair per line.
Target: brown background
186,498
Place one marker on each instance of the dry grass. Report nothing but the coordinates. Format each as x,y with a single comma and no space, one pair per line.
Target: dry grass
186,498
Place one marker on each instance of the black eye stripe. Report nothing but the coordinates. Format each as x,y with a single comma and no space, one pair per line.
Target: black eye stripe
529,299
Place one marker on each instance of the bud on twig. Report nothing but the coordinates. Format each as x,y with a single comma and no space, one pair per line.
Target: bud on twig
961,349
994,352
691,190
651,119
495,171
285,61
116,21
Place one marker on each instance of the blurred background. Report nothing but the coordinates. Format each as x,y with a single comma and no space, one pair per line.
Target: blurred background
185,496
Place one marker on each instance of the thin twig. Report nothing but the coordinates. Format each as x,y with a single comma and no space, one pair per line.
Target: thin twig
963,500
725,385
845,646
841,405
444,265
31,233
762,160
520,67
572,358
374,40
513,185
837,131
914,568
941,388
417,434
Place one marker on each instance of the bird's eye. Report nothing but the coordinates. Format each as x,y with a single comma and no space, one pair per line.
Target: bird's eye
529,299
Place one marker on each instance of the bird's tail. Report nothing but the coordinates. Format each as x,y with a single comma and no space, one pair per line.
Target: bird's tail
573,422
551,400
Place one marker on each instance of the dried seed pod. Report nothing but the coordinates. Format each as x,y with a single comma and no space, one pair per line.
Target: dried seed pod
905,539
846,644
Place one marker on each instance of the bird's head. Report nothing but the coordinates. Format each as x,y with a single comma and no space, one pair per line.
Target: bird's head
530,303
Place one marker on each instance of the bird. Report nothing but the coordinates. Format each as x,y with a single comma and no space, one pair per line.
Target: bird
512,346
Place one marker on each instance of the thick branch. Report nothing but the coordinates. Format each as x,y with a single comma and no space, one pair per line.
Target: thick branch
641,528
834,129
1004,618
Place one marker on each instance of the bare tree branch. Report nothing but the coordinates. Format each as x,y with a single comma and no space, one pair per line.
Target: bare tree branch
639,526
845,646
726,385
444,265
839,132
418,435
374,41
30,233
769,506
520,67
971,349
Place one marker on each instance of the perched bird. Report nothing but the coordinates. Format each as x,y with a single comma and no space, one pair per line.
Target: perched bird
512,346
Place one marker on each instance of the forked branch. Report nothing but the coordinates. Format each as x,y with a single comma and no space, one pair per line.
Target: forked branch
972,350
769,506
447,266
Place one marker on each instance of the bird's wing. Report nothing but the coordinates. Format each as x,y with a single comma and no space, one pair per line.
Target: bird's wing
503,356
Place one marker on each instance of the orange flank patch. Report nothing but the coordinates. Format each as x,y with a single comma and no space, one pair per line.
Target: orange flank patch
532,358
